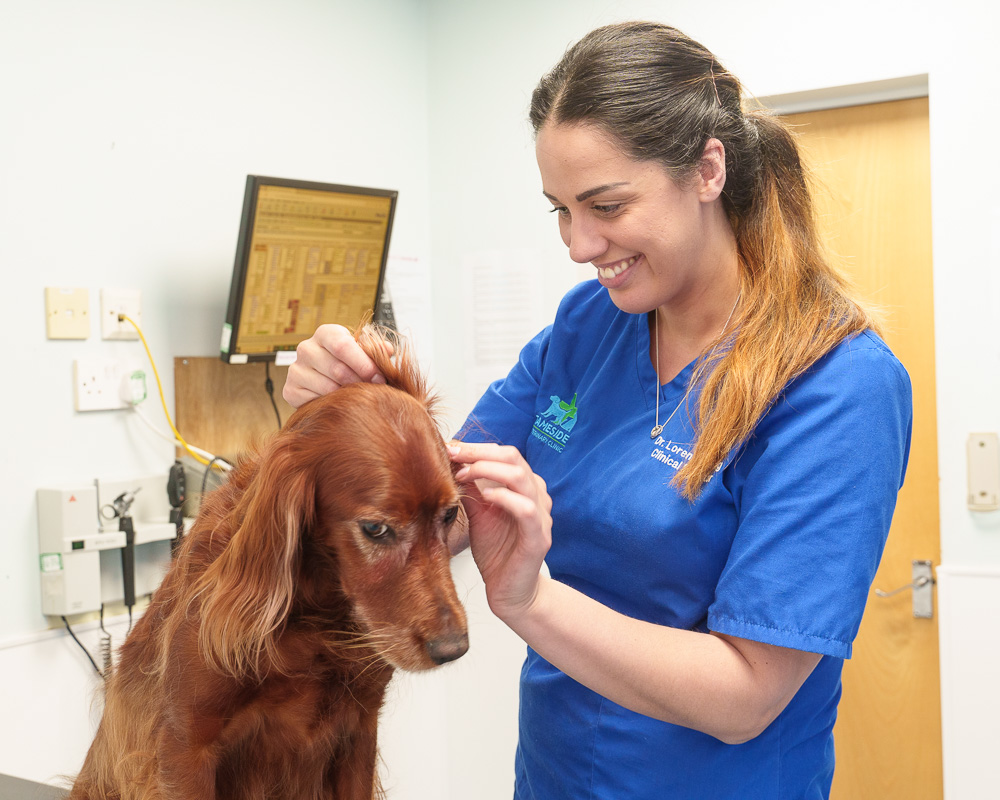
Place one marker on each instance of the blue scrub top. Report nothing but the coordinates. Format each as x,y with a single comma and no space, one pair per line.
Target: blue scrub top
780,547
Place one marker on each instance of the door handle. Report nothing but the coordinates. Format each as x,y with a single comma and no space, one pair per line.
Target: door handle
922,586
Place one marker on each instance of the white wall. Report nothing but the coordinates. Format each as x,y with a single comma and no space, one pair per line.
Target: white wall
128,129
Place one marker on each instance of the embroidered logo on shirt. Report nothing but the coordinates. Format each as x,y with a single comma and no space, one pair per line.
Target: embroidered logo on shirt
673,454
553,425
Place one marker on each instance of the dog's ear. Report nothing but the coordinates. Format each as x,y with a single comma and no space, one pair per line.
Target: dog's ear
394,358
247,592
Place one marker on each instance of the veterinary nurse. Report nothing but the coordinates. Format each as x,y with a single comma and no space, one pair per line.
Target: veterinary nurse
705,446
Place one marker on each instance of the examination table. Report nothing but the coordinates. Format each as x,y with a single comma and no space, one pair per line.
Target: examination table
19,789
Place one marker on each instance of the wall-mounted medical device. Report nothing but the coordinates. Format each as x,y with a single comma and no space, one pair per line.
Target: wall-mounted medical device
81,550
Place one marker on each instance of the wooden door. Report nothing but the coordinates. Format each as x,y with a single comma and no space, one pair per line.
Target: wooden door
871,168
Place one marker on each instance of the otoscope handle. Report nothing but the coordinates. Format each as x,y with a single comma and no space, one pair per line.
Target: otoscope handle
128,560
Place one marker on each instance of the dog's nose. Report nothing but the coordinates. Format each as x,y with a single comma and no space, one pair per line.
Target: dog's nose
448,648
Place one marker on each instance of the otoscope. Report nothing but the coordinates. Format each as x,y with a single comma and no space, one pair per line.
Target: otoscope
121,505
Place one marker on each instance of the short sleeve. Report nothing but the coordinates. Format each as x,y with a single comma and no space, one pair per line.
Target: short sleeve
815,489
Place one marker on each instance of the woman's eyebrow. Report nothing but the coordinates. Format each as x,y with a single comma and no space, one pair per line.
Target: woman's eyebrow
590,192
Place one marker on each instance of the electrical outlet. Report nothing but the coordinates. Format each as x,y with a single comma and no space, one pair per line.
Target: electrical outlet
120,301
67,313
97,384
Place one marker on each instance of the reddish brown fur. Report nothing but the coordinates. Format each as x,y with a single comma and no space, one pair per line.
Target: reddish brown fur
259,668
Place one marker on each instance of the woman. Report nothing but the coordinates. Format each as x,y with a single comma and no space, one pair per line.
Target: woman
705,446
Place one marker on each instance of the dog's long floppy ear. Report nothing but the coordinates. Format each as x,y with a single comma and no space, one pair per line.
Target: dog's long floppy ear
396,363
248,590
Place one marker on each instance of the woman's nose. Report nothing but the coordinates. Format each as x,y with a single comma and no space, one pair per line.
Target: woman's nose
585,243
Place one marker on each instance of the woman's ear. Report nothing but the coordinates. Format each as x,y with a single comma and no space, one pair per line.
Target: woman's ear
712,171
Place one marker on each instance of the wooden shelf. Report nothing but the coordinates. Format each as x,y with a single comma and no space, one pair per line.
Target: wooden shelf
223,407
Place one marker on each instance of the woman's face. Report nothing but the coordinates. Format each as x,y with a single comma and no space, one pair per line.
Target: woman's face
654,243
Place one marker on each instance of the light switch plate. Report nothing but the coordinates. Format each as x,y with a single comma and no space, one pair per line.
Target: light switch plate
67,313
984,471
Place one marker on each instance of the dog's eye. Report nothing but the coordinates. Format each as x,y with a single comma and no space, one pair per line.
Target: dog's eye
449,515
377,531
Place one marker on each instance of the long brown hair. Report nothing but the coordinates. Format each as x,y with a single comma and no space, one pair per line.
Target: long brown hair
661,96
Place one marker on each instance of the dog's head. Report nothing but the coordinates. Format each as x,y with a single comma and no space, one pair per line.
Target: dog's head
386,504
353,500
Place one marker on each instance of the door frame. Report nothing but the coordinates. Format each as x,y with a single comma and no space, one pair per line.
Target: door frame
907,87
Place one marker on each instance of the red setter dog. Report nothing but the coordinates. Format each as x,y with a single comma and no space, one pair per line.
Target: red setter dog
321,565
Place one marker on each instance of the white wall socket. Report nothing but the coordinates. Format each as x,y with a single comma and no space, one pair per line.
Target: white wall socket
120,301
97,384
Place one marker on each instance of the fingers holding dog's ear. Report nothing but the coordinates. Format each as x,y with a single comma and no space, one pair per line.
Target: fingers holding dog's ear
510,522
324,362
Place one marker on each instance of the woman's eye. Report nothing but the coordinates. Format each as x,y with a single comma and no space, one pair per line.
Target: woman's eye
609,208
377,531
450,515
562,211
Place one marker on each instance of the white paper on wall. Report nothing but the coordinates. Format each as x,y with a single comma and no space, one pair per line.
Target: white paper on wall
409,283
504,298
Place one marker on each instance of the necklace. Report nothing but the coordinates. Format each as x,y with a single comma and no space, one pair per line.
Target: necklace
657,427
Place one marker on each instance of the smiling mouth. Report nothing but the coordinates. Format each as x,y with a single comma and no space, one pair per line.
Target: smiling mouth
616,269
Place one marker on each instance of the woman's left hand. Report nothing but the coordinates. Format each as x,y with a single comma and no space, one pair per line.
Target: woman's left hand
510,526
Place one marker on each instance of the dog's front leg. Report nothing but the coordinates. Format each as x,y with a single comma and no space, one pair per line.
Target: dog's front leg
355,777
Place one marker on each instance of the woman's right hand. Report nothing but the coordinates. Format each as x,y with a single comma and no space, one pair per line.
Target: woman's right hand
510,523
327,360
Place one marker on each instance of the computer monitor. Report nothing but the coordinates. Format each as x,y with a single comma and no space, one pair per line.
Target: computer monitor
308,253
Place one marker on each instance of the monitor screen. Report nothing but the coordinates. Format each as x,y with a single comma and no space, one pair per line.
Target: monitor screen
307,254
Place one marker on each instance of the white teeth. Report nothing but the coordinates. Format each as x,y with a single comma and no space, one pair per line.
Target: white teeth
617,269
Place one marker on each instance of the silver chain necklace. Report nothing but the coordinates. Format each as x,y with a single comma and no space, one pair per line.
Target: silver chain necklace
657,427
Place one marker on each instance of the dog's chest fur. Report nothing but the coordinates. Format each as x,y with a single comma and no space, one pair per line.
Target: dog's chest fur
307,726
